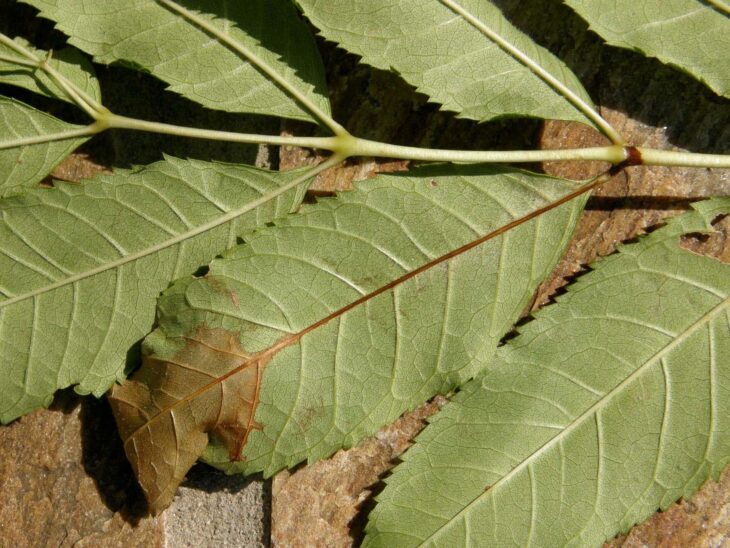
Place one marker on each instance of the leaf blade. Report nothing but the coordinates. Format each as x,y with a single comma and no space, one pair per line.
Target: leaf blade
471,76
286,320
542,411
193,64
688,34
67,61
73,263
23,167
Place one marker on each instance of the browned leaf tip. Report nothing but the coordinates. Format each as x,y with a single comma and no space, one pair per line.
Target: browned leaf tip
166,410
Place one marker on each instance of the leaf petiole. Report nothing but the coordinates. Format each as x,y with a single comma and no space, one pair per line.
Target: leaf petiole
18,61
349,146
720,5
115,121
656,157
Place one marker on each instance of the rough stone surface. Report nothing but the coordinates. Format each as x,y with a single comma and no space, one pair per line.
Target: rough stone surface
64,481
212,509
320,505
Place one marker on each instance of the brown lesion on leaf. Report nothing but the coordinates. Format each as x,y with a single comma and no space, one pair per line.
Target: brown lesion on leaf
234,434
218,284
214,375
168,408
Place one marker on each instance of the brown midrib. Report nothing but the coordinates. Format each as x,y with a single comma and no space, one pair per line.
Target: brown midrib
267,354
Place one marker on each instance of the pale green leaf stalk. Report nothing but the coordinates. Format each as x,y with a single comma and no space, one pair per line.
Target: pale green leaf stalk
464,55
197,62
23,167
378,314
81,266
610,404
693,35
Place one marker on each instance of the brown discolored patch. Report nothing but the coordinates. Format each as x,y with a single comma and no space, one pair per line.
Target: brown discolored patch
166,410
309,414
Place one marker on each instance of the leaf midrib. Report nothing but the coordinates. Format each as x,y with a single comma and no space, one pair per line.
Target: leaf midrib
266,354
578,421
535,68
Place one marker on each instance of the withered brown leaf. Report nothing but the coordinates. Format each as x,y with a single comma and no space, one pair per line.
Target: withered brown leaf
166,410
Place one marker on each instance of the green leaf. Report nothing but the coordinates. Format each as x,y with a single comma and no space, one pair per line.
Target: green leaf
24,167
81,266
690,34
448,58
611,404
338,319
147,35
67,61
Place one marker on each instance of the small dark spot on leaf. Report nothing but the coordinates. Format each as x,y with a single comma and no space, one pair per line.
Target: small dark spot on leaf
650,229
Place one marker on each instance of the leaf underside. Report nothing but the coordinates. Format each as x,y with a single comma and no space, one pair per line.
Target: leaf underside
609,405
447,58
321,329
81,266
24,167
690,34
147,35
68,61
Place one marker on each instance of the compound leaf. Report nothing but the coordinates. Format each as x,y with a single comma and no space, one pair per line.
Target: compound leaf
690,34
150,36
81,266
609,405
334,322
448,58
